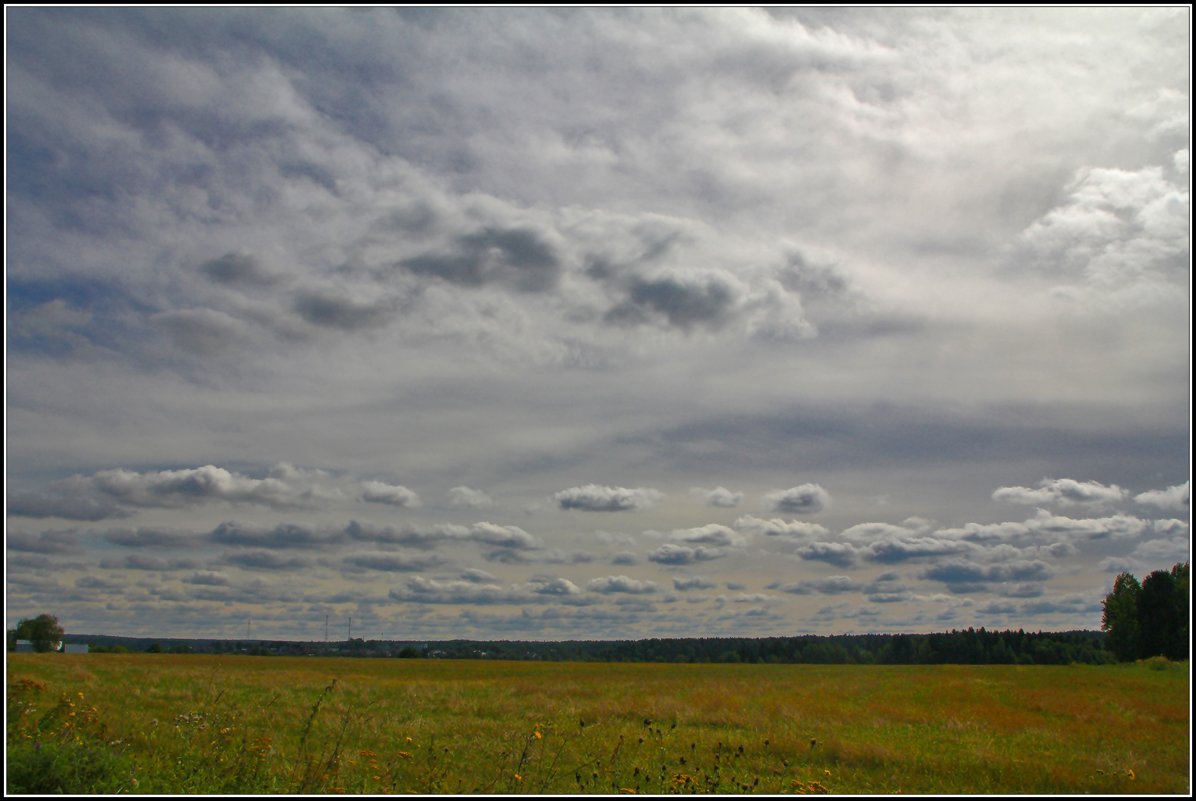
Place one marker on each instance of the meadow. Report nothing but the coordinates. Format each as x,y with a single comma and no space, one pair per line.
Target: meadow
171,723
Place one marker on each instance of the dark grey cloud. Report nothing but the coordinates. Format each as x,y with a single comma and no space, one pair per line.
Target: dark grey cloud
258,559
390,562
42,542
64,505
282,536
840,554
682,304
238,269
207,578
151,538
518,258
968,573
802,499
140,561
687,583
621,584
333,309
595,498
671,554
389,494
831,585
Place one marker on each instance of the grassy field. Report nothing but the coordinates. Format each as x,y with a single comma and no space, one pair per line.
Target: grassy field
157,723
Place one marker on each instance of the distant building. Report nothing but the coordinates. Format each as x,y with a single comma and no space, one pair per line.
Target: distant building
75,648
25,647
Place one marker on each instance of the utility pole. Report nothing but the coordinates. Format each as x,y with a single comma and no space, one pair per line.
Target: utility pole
350,627
325,628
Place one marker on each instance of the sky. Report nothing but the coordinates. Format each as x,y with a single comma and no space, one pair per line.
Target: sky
605,323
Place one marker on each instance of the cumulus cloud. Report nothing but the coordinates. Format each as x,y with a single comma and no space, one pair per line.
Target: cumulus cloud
687,583
710,534
802,499
493,534
839,554
1172,499
389,494
389,561
621,584
595,498
1063,491
670,554
718,497
797,530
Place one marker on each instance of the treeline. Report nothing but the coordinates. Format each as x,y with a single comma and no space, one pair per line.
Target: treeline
1151,618
969,646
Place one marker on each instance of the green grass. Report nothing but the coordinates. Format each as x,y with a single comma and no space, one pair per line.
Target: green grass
157,723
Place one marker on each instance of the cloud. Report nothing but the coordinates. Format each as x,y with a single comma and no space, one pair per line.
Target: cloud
43,542
552,585
327,308
796,530
283,536
595,498
207,578
680,303
518,258
389,561
469,498
710,534
511,537
1173,499
621,584
719,496
264,560
389,494
967,573
670,554
238,269
831,585
687,583
802,499
840,554
1064,491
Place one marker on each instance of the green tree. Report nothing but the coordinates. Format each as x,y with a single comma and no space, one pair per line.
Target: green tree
1120,618
43,631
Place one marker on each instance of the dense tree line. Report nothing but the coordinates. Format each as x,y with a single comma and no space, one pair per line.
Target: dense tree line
1150,618
969,646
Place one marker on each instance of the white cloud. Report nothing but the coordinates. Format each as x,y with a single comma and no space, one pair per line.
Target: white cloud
1063,491
1176,498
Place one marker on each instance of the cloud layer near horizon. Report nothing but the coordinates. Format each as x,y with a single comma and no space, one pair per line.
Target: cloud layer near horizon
594,322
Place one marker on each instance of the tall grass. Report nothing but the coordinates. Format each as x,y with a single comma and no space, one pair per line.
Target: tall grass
104,723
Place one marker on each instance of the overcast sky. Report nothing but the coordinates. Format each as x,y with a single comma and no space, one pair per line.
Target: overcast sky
594,323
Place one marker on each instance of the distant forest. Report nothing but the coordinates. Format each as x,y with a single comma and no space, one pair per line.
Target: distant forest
969,647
